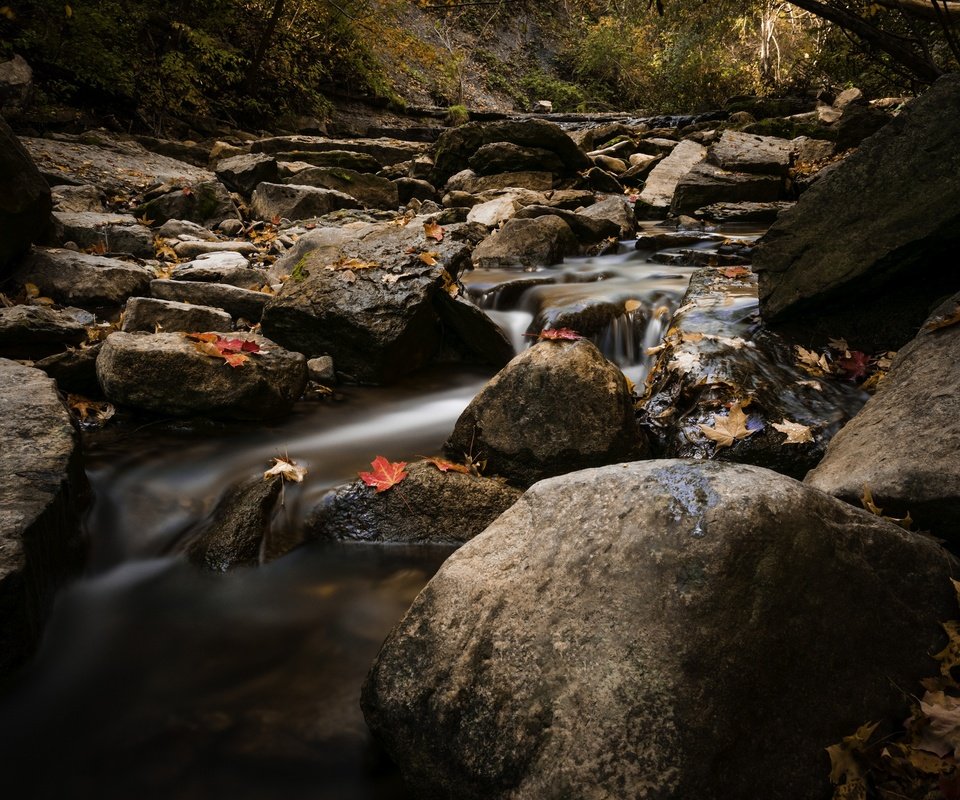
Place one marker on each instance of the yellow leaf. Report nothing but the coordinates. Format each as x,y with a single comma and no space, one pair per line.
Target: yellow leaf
430,259
726,430
31,289
68,11
796,433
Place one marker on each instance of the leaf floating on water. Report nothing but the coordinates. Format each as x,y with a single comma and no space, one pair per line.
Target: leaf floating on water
287,469
631,305
433,231
795,432
385,475
726,430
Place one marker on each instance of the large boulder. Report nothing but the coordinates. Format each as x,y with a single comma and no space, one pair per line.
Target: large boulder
537,242
557,407
903,445
150,314
242,173
370,191
368,295
36,331
79,279
108,233
40,545
869,248
497,157
291,201
746,152
665,629
429,506
706,183
25,202
207,202
135,370
457,146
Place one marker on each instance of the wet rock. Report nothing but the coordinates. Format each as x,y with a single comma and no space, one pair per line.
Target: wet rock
194,249
321,370
498,157
239,525
74,370
747,152
242,173
468,181
713,359
535,242
149,314
24,201
475,338
239,303
334,159
40,546
555,408
429,506
370,191
116,166
457,146
290,201
227,267
862,255
657,194
77,199
414,189
616,210
135,368
384,150
617,630
743,212
378,323
205,202
37,331
79,279
584,226
705,184
109,233
903,444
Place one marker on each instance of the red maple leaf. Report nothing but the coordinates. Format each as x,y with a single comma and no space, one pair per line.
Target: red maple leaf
556,334
856,365
736,272
385,474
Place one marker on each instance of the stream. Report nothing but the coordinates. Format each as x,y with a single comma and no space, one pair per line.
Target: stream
155,679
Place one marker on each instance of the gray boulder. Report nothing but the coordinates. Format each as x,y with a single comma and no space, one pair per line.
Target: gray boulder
148,314
24,201
865,253
537,242
242,173
602,181
79,279
748,152
40,545
620,632
16,82
616,210
497,157
206,202
191,248
370,191
903,445
109,233
291,201
468,181
37,331
557,407
74,370
333,159
414,189
706,183
427,507
238,303
584,226
225,267
135,370
457,146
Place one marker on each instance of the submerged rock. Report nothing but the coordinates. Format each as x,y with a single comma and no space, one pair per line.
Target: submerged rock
135,369
555,408
865,253
427,506
619,632
903,445
40,545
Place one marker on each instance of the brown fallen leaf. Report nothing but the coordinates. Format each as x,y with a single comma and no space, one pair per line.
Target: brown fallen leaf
631,305
866,499
796,433
287,469
726,430
845,758
815,364
430,259
433,231
448,466
93,413
946,320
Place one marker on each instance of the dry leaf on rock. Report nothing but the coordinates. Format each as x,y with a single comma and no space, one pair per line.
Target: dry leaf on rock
433,231
726,430
795,432
448,466
385,474
287,469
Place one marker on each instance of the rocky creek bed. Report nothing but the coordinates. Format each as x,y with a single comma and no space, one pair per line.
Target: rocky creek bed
630,419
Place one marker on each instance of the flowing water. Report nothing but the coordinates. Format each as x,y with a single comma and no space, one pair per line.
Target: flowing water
157,680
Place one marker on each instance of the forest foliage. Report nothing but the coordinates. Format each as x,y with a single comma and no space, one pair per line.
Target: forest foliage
250,61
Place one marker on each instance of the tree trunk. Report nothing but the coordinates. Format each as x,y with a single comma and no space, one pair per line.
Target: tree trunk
250,81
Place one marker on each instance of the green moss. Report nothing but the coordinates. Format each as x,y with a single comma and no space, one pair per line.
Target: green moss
457,116
299,269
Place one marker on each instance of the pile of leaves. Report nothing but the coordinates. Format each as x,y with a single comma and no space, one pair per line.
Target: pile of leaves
236,352
840,360
923,760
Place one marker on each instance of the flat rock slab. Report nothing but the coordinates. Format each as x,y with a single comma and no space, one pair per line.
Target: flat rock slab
239,303
135,370
37,331
557,407
74,278
903,445
226,267
39,527
385,150
292,201
618,632
871,246
747,152
706,183
370,191
428,506
119,167
712,358
150,314
115,233
657,194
